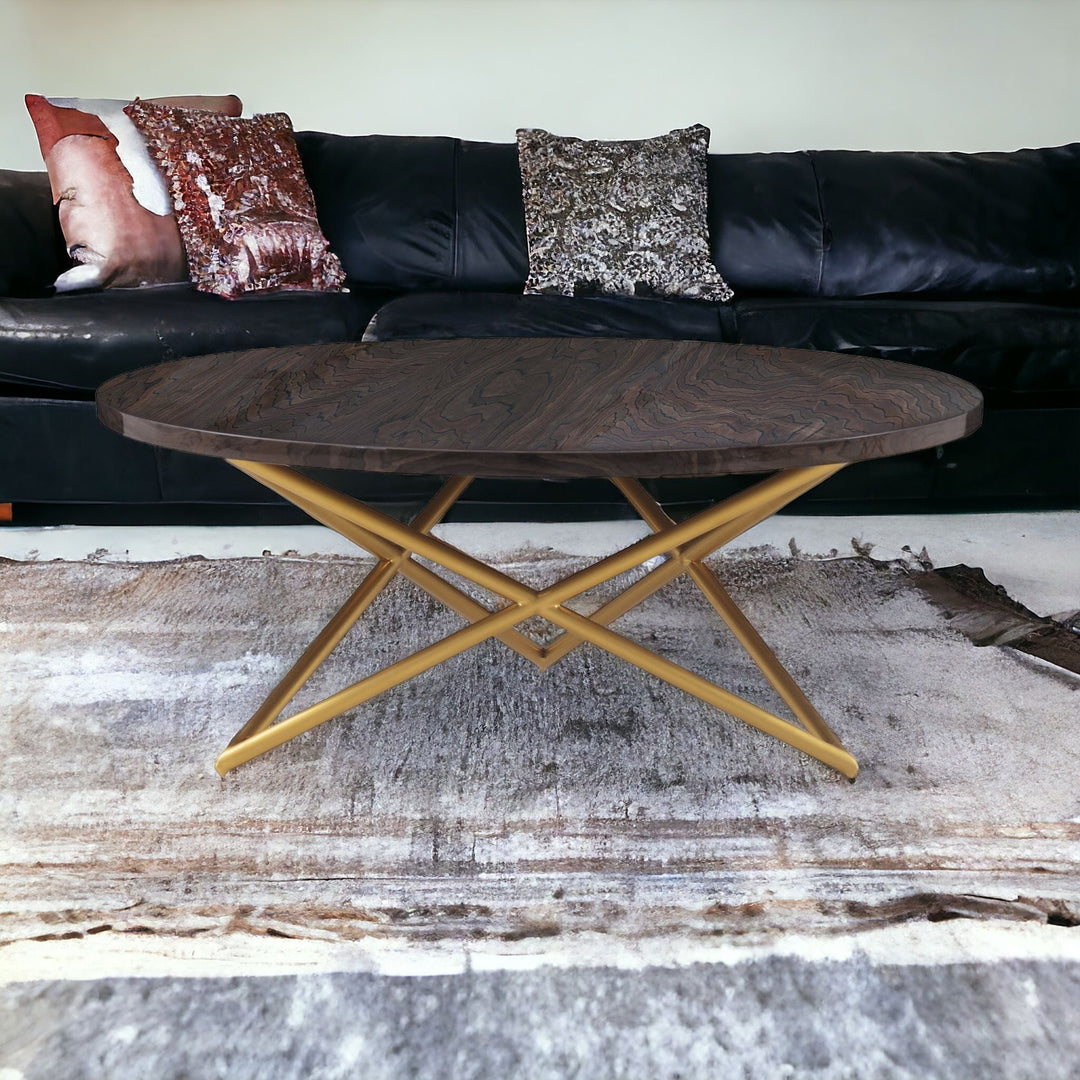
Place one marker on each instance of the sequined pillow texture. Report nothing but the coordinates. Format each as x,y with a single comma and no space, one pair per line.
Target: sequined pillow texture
618,218
245,210
115,209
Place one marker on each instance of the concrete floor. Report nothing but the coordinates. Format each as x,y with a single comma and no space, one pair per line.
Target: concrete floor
1034,556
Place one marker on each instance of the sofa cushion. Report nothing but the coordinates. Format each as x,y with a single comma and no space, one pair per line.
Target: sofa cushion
459,314
1019,355
765,225
79,340
438,213
386,204
949,223
32,252
416,212
625,218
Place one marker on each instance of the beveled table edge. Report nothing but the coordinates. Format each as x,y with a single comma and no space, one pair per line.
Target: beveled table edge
553,464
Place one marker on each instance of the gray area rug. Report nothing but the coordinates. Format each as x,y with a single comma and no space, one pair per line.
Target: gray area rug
496,872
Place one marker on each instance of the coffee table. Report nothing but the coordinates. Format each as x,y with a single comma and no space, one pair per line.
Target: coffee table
624,409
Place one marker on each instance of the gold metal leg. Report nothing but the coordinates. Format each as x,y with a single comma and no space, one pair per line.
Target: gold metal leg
745,633
685,544
775,499
331,635
399,559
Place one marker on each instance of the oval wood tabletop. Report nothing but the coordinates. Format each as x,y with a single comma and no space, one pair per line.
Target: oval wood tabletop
541,407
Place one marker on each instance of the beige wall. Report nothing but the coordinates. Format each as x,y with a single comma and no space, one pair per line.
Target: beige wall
763,74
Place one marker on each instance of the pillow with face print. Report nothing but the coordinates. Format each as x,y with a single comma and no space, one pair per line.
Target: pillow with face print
115,209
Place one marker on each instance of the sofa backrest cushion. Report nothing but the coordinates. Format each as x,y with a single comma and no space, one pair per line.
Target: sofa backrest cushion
416,212
411,212
386,205
950,223
765,222
32,248
438,213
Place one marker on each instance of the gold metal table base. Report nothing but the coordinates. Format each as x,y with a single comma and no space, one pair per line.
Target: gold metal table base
685,545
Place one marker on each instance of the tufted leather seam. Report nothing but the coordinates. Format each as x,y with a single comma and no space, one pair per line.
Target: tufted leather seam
728,318
158,472
825,234
455,238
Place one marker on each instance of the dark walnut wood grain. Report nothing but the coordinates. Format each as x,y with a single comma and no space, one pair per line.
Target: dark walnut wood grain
555,407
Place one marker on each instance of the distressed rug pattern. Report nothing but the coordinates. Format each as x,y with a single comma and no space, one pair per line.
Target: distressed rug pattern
565,843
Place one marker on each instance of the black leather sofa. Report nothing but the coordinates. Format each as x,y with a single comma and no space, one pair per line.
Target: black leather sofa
968,263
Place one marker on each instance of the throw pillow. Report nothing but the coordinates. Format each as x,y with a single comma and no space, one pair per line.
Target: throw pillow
115,210
246,213
621,218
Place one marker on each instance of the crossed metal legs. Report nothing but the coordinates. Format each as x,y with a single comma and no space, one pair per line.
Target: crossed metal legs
685,545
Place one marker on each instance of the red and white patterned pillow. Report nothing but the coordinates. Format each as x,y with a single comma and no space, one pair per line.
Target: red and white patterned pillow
245,210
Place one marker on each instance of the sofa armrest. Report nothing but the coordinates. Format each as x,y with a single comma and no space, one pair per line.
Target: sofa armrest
32,252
